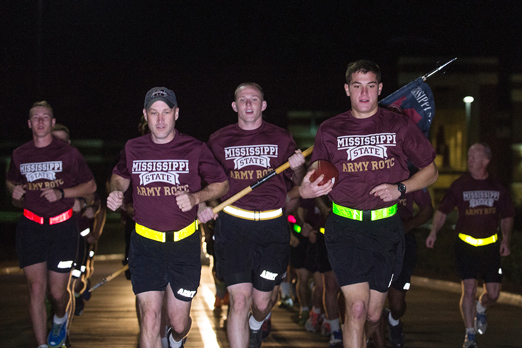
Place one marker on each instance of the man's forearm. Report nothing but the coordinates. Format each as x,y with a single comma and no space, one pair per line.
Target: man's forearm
423,178
118,183
506,226
438,221
80,190
212,191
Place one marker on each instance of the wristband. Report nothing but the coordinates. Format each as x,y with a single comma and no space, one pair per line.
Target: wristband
63,194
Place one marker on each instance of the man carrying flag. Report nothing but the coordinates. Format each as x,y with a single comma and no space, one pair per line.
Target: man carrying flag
370,147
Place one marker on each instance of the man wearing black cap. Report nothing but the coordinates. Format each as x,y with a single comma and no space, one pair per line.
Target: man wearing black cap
164,169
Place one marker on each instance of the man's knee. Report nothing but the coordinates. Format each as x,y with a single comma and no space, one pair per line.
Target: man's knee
181,328
469,290
492,295
373,318
261,306
239,301
358,310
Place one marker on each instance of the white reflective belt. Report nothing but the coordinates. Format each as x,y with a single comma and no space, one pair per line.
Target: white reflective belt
253,215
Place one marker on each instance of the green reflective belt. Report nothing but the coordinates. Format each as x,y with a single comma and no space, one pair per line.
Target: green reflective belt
359,215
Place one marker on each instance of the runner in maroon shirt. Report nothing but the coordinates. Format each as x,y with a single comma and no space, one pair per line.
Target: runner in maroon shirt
481,202
252,238
44,177
370,147
401,284
165,170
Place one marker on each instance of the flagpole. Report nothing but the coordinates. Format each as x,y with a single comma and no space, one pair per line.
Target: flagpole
425,77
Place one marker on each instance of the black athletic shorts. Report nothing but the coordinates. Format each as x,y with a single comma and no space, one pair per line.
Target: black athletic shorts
402,282
55,244
154,265
481,262
321,255
80,259
303,255
251,251
365,251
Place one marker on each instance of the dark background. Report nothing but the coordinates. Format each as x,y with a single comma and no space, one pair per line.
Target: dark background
94,60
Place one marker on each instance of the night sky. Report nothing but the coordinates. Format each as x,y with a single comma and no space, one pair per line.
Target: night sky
94,60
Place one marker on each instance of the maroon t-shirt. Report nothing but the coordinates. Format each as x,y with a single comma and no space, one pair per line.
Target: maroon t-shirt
158,171
369,152
248,155
405,207
58,165
480,205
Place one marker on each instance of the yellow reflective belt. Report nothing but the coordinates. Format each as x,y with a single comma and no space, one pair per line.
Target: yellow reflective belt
480,241
356,214
161,236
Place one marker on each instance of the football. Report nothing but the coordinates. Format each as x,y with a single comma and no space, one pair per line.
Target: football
326,168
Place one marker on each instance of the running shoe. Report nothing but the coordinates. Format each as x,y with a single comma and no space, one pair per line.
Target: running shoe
57,335
313,324
396,335
286,302
303,317
266,328
336,339
326,330
255,339
481,323
469,341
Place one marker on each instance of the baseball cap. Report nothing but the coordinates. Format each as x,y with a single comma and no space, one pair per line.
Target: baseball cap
160,93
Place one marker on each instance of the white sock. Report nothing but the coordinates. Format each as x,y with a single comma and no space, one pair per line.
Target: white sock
164,342
61,320
286,289
316,310
480,307
392,321
254,324
173,343
334,325
305,309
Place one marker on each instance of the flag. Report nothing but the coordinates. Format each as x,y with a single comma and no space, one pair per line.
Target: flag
414,100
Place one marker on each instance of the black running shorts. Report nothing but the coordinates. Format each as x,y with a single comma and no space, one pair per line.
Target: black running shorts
321,254
251,251
55,244
403,281
303,255
481,262
365,251
154,265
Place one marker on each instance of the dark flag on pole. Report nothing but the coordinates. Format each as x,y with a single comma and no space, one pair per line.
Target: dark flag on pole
414,100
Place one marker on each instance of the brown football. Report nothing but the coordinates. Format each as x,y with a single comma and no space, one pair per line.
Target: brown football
326,168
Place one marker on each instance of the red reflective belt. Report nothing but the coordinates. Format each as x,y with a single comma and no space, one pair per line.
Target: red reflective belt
52,221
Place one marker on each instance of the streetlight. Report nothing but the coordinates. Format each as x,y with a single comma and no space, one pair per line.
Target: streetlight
468,100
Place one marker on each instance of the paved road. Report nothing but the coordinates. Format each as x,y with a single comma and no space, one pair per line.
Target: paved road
109,320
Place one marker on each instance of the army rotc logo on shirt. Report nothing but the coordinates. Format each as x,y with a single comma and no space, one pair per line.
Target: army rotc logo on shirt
476,198
41,170
166,171
375,145
255,155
